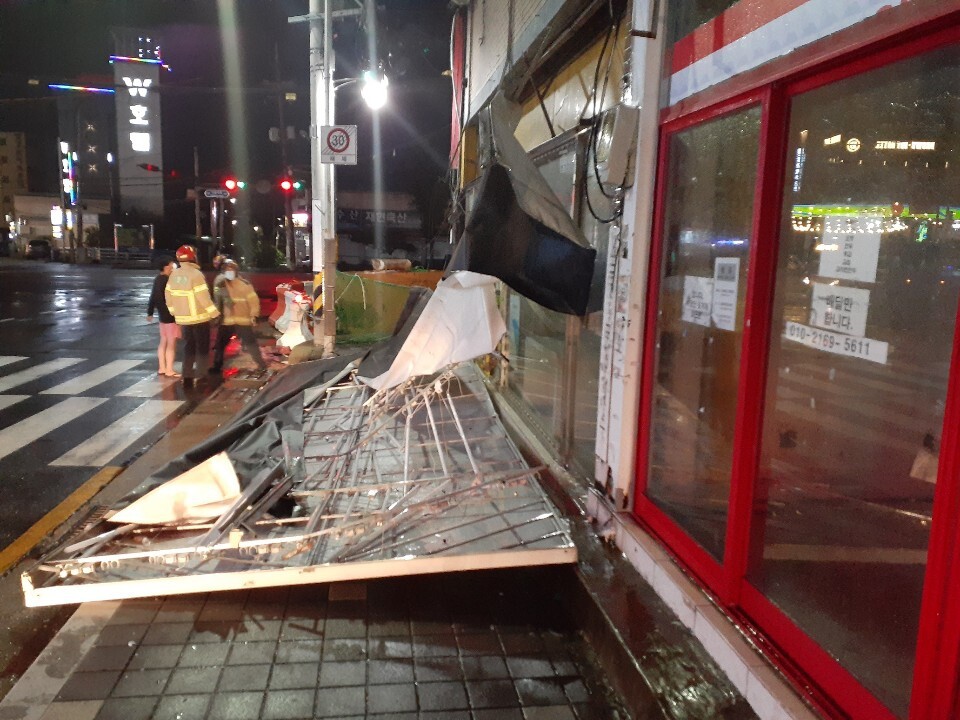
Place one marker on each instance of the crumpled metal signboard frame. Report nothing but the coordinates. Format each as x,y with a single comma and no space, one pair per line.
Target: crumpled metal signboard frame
419,479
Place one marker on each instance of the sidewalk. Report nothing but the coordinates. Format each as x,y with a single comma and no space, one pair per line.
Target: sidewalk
529,643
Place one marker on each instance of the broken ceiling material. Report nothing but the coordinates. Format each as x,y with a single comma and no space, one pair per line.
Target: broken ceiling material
418,478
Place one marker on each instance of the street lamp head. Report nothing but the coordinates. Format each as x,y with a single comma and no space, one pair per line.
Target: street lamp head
374,89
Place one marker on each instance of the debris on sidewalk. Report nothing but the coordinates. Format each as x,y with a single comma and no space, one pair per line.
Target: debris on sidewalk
336,479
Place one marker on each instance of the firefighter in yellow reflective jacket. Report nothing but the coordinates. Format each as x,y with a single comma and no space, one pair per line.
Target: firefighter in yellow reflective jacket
189,301
238,301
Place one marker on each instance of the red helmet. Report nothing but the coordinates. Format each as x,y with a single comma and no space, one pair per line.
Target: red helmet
187,253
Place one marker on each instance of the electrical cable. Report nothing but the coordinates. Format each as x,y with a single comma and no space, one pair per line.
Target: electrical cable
597,98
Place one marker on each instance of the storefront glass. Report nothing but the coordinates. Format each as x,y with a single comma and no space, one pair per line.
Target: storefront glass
593,219
537,336
864,311
706,239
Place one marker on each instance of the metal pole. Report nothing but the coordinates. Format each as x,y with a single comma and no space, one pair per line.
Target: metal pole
329,227
287,210
318,113
323,231
196,194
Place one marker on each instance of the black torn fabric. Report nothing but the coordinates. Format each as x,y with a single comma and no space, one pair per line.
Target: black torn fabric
502,240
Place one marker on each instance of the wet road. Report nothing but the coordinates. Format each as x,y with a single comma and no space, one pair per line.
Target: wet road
78,383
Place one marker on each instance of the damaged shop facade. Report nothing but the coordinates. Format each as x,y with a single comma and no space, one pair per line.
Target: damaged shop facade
754,378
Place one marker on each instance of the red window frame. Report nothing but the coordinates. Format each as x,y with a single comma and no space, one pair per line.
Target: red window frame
829,686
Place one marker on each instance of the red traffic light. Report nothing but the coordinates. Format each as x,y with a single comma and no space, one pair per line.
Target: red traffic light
230,184
286,184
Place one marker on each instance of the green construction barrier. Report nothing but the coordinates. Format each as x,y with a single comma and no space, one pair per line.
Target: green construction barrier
367,310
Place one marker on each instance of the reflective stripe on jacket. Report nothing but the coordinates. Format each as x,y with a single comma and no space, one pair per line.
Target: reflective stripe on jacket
238,301
188,297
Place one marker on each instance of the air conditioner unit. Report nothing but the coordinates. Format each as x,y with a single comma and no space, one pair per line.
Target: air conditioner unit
614,147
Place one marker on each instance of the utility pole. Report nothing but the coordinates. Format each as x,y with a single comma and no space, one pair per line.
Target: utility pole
287,207
321,97
323,211
198,230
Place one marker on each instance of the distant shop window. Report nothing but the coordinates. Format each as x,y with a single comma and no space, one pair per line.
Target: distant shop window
687,15
864,312
705,245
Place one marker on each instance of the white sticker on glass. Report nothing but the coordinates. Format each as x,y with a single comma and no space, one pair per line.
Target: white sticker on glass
850,249
726,281
697,299
831,342
840,308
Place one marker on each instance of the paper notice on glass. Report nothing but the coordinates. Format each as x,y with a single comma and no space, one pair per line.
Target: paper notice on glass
839,308
697,299
726,280
851,253
831,342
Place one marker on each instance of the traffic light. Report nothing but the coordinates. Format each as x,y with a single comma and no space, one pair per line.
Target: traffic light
297,185
232,184
286,185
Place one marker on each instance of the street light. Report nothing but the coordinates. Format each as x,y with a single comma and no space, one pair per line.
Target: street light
374,89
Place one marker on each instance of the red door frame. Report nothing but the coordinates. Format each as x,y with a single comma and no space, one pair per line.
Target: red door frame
836,691
694,556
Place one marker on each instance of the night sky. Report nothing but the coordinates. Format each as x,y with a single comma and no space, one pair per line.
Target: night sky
69,41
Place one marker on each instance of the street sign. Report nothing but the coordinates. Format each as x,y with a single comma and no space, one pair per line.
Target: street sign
216,193
338,144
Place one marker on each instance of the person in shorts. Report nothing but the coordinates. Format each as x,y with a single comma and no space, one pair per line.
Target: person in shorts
169,330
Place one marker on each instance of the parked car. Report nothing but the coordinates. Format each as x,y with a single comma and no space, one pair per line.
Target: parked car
38,249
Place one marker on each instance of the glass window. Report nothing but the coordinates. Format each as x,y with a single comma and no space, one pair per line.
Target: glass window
707,224
537,336
587,357
864,311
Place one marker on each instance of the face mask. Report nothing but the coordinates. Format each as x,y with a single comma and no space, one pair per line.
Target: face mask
230,275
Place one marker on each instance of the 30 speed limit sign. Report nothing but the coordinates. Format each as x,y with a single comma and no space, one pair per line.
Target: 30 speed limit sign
338,144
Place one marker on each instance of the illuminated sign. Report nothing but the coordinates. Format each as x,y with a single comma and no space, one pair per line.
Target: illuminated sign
68,173
798,168
853,144
140,139
905,145
832,140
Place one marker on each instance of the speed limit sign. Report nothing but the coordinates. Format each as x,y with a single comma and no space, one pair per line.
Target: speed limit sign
338,144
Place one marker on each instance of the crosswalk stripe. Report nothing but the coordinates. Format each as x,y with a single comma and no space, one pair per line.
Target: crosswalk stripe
8,359
113,439
36,372
8,400
91,379
36,426
148,387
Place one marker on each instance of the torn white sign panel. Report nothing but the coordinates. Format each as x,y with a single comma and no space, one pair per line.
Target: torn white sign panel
460,322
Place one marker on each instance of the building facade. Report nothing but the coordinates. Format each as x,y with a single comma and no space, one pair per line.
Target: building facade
764,392
13,171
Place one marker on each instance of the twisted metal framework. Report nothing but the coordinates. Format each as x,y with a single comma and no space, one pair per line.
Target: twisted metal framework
417,479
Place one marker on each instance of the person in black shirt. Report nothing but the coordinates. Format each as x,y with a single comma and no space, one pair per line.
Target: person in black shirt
169,330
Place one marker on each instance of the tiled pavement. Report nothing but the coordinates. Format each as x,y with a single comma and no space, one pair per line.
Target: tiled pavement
476,646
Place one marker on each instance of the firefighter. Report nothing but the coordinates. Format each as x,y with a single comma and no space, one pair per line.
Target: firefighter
190,303
236,299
